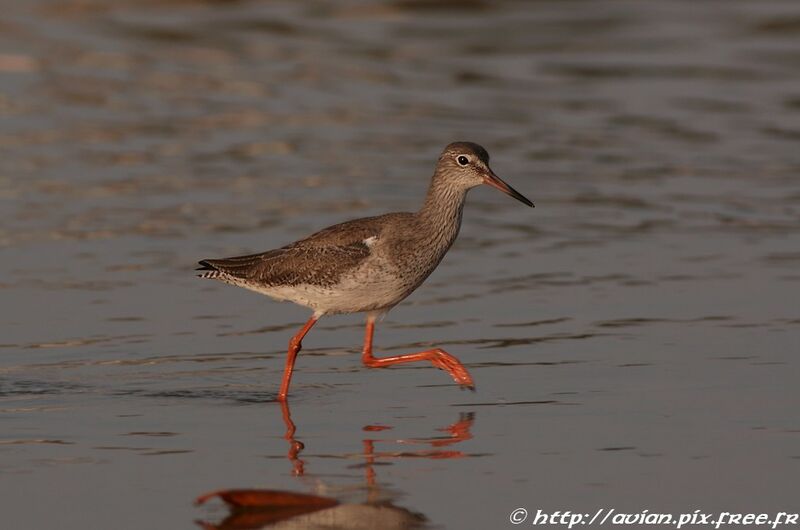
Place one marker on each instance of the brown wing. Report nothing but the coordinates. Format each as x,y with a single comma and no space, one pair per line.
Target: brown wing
319,259
354,231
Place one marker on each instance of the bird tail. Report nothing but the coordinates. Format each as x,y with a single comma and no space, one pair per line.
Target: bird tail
210,270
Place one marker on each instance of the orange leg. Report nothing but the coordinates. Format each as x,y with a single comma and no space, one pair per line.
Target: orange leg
294,347
437,357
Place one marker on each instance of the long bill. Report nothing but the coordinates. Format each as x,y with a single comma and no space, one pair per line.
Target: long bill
496,182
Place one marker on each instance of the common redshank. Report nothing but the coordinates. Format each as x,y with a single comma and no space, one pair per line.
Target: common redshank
370,265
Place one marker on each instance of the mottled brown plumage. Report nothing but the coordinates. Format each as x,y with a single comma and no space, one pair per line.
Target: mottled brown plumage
370,264
320,259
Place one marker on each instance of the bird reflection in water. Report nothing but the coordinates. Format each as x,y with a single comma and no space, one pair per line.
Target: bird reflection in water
255,508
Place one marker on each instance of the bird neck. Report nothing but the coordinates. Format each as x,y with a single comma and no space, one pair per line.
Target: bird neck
442,209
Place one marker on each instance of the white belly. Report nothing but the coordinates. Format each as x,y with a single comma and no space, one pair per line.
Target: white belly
371,287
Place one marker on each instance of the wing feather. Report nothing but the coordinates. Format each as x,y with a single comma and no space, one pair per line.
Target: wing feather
319,259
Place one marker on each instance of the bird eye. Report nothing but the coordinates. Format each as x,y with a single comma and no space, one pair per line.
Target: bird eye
462,160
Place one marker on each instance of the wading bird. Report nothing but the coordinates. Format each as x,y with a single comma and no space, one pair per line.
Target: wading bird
369,265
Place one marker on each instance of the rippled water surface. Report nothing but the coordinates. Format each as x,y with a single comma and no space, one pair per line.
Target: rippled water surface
634,338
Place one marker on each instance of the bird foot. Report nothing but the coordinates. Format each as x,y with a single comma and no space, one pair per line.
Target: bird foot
444,361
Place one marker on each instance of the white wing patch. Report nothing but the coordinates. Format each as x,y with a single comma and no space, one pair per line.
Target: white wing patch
370,241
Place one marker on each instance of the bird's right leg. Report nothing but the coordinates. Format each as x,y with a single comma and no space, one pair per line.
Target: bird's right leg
436,356
294,347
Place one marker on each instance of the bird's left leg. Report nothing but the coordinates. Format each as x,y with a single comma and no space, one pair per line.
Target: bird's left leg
294,348
436,356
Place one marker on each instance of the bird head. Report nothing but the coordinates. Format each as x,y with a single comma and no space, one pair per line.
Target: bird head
466,165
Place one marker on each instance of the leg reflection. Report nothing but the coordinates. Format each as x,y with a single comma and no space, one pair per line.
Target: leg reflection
457,432
295,446
258,508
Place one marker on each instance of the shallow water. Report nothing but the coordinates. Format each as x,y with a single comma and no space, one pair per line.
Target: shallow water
634,338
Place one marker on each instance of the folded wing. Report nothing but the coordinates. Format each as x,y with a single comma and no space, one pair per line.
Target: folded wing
320,259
